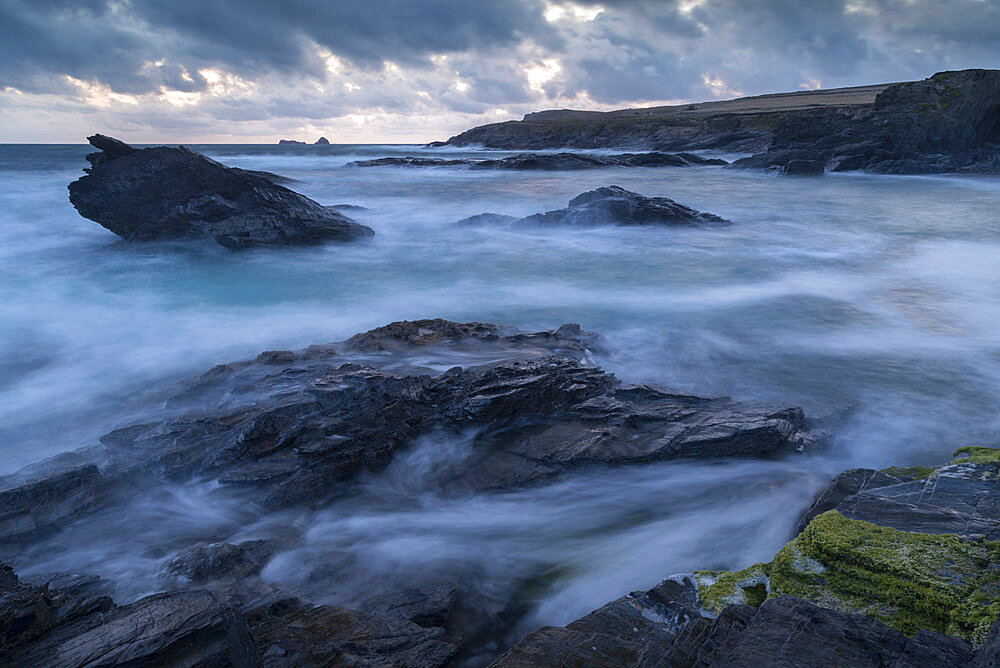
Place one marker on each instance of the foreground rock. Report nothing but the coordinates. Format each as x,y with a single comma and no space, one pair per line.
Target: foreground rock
292,427
551,161
169,193
892,568
947,123
40,626
610,205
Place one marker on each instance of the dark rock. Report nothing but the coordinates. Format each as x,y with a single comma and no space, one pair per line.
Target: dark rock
291,633
551,161
803,167
291,141
844,485
429,606
949,122
294,425
787,631
32,508
163,193
989,654
408,162
322,141
112,148
962,498
610,205
635,630
222,560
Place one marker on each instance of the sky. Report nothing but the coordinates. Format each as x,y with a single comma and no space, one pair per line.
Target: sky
412,71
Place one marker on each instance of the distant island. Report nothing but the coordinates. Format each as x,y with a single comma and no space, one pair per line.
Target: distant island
949,122
322,141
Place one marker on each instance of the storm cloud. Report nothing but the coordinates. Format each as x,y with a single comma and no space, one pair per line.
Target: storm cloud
385,70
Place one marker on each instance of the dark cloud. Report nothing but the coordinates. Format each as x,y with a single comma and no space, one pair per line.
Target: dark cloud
268,53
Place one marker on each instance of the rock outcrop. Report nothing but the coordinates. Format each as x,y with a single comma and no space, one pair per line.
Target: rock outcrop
322,141
892,567
551,161
291,426
947,123
167,193
610,205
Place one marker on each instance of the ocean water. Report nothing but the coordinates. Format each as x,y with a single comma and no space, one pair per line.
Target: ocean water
876,293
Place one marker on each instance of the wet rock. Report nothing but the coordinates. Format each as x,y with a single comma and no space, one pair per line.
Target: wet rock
960,498
31,508
551,161
786,631
291,633
635,630
428,606
165,193
611,205
222,561
803,168
844,485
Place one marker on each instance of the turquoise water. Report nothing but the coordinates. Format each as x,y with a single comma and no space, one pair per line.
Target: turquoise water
877,292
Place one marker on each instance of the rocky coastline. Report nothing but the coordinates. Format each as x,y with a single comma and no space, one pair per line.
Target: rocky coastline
888,567
949,122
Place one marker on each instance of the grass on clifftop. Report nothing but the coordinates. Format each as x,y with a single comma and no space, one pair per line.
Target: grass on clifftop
975,454
910,581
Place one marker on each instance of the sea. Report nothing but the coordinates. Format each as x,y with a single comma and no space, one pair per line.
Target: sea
872,298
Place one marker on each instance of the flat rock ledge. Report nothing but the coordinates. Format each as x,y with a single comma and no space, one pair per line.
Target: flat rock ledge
889,568
169,193
609,205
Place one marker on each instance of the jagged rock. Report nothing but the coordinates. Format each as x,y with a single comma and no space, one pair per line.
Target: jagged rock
322,141
786,631
164,192
946,123
803,167
294,424
961,498
551,161
28,509
428,606
221,560
635,630
610,205
844,485
290,633
39,627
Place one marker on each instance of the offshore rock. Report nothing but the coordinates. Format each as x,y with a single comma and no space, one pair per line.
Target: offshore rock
322,141
168,193
551,161
610,205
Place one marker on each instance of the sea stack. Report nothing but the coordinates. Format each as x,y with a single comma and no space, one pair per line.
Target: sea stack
168,193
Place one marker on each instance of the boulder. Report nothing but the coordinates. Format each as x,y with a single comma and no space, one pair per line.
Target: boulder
610,205
167,193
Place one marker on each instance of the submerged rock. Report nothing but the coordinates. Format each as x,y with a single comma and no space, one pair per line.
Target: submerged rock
166,193
610,205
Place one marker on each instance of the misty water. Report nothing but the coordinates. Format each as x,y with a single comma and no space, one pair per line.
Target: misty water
875,293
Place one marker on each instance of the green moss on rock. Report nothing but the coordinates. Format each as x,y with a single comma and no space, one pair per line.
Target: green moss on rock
910,581
976,454
912,472
717,589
